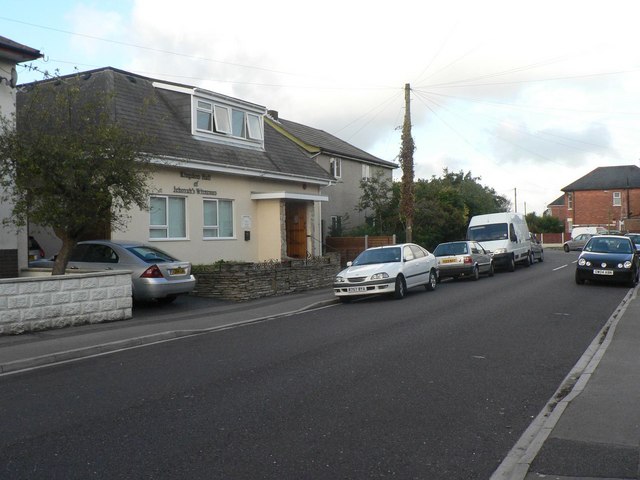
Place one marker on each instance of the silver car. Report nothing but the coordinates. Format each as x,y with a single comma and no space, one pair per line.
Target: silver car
463,259
155,275
577,243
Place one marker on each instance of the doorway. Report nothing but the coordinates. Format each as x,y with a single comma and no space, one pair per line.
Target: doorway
296,226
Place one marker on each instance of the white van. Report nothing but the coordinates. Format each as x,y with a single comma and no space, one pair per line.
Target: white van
505,235
575,231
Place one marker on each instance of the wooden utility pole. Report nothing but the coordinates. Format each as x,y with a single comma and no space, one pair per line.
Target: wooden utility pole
406,162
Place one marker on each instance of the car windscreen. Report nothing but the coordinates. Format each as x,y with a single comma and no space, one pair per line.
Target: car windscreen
451,249
382,255
486,233
609,245
151,255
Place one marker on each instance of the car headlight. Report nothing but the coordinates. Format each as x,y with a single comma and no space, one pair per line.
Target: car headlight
339,279
499,250
627,264
379,276
582,262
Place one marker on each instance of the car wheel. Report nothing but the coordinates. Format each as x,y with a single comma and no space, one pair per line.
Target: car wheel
566,248
541,259
401,288
433,280
512,264
476,273
579,279
528,262
491,269
634,280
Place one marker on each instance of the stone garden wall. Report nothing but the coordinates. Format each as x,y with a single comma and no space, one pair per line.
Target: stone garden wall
30,304
246,281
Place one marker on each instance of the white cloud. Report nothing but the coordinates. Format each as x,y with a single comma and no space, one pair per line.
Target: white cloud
527,96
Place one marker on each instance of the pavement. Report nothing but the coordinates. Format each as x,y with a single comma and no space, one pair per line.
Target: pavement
590,428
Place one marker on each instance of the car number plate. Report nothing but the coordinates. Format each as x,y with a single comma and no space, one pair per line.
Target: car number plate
178,271
449,260
603,272
357,289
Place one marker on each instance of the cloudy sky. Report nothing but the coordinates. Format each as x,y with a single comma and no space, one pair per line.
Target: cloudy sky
528,96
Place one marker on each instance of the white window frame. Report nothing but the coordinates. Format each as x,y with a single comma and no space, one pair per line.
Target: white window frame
617,199
335,165
206,227
222,117
366,171
200,107
570,201
254,127
166,226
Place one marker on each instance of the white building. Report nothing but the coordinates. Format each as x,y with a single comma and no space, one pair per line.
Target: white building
13,243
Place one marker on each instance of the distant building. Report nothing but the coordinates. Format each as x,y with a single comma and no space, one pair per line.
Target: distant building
347,164
607,197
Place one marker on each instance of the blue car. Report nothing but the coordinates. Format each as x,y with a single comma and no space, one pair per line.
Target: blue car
609,258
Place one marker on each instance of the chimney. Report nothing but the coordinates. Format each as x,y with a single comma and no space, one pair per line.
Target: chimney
273,114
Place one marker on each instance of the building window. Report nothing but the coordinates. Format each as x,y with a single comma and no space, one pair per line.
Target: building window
204,116
218,219
366,171
254,127
167,217
336,225
220,119
336,167
617,199
570,201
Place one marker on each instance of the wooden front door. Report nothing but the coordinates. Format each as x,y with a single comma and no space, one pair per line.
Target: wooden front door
296,225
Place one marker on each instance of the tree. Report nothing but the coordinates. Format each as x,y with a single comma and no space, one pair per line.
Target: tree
544,224
377,196
68,165
407,200
445,204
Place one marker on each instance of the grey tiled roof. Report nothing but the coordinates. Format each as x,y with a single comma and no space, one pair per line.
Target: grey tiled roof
329,143
16,51
165,116
606,178
558,202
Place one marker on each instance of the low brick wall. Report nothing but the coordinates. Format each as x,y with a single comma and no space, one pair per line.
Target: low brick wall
30,304
247,281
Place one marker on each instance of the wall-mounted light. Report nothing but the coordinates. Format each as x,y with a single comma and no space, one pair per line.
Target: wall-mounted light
13,81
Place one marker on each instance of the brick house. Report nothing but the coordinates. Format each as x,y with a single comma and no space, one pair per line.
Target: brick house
607,197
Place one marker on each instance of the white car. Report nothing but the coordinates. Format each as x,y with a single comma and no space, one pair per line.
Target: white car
390,269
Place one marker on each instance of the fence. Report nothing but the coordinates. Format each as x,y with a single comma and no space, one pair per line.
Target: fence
350,247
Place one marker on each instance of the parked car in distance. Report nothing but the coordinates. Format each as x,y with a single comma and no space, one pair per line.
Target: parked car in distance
575,231
577,243
635,238
463,259
611,258
155,275
35,250
391,269
537,252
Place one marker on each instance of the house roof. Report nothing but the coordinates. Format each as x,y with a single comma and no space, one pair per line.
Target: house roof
606,178
319,140
165,116
16,52
558,202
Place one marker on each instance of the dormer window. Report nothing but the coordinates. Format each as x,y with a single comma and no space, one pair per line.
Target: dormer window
228,121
